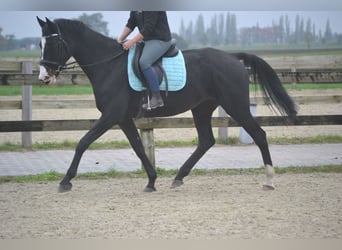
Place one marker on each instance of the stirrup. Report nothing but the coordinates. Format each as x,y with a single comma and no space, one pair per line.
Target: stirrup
147,105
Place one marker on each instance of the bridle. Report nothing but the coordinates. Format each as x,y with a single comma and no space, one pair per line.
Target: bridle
59,66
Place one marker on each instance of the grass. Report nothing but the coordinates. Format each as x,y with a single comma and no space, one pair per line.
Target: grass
20,54
54,176
160,144
48,90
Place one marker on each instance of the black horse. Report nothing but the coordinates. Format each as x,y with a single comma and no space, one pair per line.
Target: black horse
213,78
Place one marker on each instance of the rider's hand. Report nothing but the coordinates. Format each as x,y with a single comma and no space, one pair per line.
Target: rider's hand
128,44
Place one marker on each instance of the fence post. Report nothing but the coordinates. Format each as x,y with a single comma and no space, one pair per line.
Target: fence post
26,114
222,132
147,139
294,79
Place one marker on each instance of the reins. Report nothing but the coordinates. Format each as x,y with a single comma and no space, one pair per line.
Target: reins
68,65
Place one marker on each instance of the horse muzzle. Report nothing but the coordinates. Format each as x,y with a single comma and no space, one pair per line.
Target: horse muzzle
47,76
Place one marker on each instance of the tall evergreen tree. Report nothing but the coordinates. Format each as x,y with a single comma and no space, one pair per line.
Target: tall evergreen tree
297,30
308,33
189,34
182,31
2,41
287,29
221,28
327,33
281,30
212,32
227,38
200,35
233,29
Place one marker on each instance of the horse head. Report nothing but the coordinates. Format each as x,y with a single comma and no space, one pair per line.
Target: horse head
54,51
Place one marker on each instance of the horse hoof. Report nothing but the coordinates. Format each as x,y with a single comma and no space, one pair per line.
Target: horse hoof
64,187
268,187
177,183
150,189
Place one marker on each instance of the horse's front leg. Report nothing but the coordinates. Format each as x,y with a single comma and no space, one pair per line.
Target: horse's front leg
99,128
131,132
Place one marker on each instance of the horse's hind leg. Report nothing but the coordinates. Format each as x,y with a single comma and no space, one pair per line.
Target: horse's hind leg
100,127
246,120
202,117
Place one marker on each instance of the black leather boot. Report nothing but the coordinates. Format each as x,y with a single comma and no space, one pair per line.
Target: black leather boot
155,102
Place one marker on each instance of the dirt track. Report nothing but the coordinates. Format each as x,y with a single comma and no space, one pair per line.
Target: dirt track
207,207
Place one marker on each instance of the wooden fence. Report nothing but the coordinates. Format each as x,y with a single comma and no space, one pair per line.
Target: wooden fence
327,69
161,122
25,71
147,125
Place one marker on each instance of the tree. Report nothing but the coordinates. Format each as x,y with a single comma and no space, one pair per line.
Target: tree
297,30
213,33
287,29
200,35
328,33
182,31
339,38
181,43
95,22
221,28
189,33
231,29
308,34
11,42
281,30
301,30
2,41
227,39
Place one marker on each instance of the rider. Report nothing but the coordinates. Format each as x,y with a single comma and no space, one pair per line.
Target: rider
154,30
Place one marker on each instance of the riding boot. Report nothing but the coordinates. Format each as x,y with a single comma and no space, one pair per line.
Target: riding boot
152,79
156,100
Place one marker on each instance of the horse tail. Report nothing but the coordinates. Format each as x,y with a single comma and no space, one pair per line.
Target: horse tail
270,83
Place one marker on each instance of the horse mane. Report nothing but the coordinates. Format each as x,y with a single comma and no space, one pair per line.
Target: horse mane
71,25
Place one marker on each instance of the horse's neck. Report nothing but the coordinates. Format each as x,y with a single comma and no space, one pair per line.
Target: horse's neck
89,52
92,55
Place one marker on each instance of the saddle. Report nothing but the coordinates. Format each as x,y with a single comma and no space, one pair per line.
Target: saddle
158,67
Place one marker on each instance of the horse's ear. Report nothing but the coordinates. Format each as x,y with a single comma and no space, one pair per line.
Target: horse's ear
51,25
41,22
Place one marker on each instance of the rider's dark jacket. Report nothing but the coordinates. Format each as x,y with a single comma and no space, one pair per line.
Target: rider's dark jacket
153,25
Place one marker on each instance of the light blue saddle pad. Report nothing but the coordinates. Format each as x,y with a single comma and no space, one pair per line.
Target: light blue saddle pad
173,66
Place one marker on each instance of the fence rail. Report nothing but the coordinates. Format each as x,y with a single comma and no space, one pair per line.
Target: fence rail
296,75
293,71
90,103
158,123
147,125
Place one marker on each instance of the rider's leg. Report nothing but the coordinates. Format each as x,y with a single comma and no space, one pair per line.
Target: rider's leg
153,83
152,51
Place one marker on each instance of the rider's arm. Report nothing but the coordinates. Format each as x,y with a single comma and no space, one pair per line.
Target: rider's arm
124,34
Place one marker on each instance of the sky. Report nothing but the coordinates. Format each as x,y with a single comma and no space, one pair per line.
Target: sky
23,23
